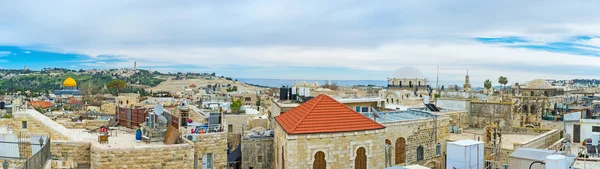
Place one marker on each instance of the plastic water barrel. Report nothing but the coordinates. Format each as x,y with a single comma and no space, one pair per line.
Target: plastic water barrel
138,134
556,162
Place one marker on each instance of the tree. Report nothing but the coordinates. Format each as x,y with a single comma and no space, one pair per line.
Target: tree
91,92
487,84
503,80
332,86
236,105
116,85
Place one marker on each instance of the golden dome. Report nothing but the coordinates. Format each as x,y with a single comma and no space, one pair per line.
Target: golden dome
70,82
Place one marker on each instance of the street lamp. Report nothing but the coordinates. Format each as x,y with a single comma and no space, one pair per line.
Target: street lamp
41,141
5,164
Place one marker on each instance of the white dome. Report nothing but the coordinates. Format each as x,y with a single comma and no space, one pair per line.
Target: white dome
409,73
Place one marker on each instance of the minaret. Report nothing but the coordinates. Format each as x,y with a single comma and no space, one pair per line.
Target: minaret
467,85
134,66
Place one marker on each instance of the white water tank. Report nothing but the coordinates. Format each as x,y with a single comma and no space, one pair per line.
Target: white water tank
556,162
465,154
301,91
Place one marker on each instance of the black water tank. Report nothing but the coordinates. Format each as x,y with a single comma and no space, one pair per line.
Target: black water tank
283,93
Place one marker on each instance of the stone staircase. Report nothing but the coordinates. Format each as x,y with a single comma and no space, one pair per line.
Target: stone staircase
73,135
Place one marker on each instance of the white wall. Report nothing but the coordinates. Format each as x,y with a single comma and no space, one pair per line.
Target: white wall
586,127
452,104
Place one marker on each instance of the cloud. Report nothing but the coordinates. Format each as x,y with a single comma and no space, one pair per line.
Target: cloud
4,53
519,39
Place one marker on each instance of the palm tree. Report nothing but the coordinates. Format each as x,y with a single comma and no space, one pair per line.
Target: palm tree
503,80
487,84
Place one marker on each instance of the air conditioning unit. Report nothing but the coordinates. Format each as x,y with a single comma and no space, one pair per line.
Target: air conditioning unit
460,130
191,137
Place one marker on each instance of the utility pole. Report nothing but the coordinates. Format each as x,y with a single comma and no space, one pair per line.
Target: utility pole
437,86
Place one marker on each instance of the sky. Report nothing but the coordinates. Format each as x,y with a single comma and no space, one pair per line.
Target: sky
328,40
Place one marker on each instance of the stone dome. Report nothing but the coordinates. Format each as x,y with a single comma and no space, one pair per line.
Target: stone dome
538,84
70,82
409,73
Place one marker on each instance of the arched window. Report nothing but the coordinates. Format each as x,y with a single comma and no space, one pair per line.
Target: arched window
360,162
409,83
531,93
400,149
438,149
320,162
419,153
400,83
419,83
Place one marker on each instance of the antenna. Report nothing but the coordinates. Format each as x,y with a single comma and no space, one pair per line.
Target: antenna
158,109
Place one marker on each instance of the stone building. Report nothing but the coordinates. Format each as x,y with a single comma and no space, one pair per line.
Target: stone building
257,152
531,101
323,133
406,85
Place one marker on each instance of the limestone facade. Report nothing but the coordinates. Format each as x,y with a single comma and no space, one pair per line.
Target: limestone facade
167,156
407,83
215,143
76,151
484,113
257,153
340,149
418,133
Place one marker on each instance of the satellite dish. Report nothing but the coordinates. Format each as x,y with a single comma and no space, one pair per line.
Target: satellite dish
159,109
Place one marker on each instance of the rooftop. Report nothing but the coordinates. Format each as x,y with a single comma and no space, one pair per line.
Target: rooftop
359,100
392,116
324,114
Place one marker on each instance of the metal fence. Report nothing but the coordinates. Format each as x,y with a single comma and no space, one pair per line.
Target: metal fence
25,146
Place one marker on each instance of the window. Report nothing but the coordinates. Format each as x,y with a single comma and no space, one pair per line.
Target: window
357,108
595,128
419,153
250,168
230,128
319,162
24,124
247,99
207,161
260,159
438,149
365,109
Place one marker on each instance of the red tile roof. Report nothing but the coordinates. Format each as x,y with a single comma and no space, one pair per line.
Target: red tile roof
75,101
41,104
193,85
324,114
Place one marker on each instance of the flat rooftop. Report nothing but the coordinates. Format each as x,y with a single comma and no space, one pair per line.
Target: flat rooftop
360,100
507,139
392,116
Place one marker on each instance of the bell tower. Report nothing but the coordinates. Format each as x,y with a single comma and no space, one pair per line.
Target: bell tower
467,85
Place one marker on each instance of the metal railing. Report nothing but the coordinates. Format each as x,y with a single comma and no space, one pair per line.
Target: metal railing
24,144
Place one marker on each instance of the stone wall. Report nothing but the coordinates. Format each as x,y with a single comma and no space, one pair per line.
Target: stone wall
417,133
33,126
483,113
85,124
459,119
255,148
174,156
77,151
340,149
215,143
237,121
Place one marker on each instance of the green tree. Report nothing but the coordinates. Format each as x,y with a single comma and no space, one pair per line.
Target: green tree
503,80
236,105
487,84
116,85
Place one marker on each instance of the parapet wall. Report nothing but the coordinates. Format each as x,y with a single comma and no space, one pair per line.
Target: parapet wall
77,151
85,124
542,141
154,156
33,127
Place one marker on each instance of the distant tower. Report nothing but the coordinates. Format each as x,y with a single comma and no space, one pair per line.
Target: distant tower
467,85
25,68
134,66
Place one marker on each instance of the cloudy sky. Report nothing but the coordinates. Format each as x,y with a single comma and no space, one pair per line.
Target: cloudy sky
350,40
